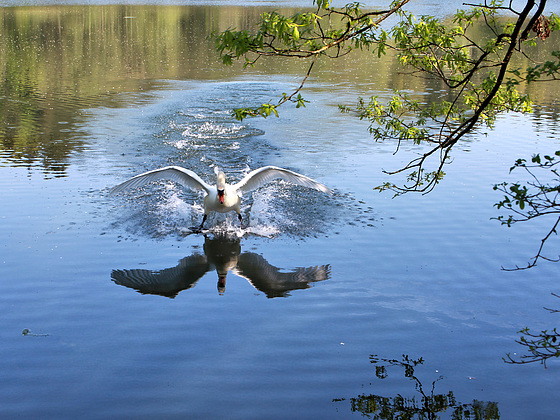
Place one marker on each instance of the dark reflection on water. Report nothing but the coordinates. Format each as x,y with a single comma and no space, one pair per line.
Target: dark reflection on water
60,60
222,254
426,404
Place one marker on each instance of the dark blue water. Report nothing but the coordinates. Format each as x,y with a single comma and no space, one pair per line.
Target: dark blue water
417,275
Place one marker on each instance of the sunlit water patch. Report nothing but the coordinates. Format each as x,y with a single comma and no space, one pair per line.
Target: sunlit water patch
209,129
214,130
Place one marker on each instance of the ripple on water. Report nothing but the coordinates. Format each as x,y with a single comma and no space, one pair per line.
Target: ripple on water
203,128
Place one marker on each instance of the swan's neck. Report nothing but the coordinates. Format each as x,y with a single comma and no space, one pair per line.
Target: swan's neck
221,187
221,181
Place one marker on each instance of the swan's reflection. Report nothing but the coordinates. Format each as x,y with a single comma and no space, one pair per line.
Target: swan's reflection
223,255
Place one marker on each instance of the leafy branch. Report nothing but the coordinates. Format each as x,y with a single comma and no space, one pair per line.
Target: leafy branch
327,32
541,346
535,198
478,74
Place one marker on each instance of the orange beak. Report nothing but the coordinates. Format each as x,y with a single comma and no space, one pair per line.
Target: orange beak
221,196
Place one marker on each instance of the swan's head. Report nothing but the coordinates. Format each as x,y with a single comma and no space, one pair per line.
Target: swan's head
221,186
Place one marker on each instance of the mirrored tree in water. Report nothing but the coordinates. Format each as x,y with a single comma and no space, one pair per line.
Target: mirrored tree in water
426,404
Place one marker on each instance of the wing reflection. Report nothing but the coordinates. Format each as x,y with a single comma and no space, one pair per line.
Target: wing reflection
271,281
168,282
223,255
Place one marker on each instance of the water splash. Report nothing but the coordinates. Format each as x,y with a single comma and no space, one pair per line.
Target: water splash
173,211
206,128
212,130
203,139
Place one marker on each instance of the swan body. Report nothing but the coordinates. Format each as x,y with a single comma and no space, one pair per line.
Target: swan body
222,197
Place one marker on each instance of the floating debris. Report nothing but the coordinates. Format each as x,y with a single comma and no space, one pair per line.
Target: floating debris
27,331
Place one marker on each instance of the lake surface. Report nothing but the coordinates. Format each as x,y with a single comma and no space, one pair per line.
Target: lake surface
119,301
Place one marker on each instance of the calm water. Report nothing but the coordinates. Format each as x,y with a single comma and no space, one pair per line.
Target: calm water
92,95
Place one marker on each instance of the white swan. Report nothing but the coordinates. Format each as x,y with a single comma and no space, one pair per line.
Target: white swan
221,197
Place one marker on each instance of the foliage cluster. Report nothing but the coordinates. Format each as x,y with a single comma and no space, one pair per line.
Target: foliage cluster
535,198
541,346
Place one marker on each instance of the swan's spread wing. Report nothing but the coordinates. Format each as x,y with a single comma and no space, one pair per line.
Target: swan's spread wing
261,176
273,282
174,173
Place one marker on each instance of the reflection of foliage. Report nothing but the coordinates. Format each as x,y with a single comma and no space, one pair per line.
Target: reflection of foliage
429,406
55,61
541,346
534,198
